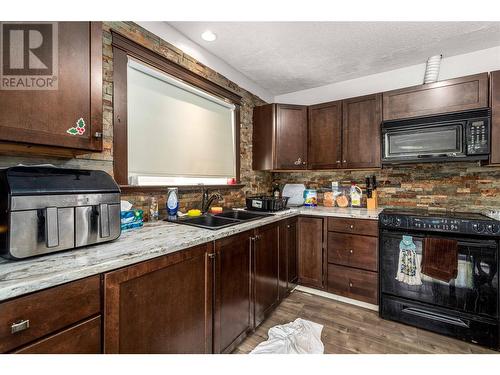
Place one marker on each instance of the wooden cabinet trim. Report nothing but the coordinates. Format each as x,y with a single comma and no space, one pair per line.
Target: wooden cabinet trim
123,47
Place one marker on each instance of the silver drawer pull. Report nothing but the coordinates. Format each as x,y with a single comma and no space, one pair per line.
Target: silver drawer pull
19,326
351,251
351,226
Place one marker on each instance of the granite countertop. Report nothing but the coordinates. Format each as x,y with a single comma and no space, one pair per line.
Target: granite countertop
151,241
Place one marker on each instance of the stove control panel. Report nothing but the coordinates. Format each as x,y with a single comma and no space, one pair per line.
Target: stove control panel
441,224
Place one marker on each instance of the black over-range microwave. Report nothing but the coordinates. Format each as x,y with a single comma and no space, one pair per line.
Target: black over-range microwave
449,137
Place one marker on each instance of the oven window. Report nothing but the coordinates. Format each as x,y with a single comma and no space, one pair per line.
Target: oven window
424,141
474,290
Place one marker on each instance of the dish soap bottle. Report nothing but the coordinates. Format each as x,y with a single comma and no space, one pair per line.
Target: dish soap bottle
355,193
172,202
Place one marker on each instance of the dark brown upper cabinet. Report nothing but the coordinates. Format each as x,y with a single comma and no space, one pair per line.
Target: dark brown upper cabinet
362,117
453,95
325,136
45,116
280,137
495,117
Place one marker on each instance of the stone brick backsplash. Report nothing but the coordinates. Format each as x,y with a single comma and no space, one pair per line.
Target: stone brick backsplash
446,186
255,182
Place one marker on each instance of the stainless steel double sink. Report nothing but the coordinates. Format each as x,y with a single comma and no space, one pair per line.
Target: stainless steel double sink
218,221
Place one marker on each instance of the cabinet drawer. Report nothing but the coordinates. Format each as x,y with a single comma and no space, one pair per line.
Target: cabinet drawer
355,226
83,338
353,283
47,311
353,250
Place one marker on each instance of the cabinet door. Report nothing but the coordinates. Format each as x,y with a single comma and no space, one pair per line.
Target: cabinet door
291,137
232,310
495,117
361,132
311,251
325,136
161,306
292,252
265,264
44,116
453,95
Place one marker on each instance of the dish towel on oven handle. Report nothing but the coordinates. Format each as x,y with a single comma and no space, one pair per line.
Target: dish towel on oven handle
409,263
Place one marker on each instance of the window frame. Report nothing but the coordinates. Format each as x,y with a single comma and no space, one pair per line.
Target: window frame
123,47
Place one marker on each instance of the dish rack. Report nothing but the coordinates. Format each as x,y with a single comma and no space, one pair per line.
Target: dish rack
266,203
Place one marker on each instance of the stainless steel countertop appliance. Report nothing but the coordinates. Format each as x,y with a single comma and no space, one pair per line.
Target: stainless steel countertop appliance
48,209
464,305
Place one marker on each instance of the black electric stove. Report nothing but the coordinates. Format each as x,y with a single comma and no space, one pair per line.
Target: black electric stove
466,307
436,221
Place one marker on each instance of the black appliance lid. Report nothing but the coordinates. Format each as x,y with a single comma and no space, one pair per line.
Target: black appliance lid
441,214
42,180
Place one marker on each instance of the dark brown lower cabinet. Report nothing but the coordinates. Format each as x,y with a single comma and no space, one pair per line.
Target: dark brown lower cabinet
83,338
287,257
163,305
353,283
311,251
265,271
46,315
353,258
232,308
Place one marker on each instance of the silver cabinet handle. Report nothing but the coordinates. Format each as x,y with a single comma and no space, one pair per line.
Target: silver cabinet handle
338,161
345,161
211,255
19,326
288,226
303,163
351,251
350,284
351,226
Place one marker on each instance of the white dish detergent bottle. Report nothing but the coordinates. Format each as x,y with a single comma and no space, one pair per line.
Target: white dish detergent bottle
172,202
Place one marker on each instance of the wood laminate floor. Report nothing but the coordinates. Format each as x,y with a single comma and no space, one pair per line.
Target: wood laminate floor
352,329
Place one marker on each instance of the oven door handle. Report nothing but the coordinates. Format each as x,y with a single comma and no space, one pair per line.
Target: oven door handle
435,316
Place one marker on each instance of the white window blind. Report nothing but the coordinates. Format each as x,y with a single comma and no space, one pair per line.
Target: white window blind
176,130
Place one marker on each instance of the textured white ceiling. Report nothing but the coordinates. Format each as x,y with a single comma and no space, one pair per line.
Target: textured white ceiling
284,57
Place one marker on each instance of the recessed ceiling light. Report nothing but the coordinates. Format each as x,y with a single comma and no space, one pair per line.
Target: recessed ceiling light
208,36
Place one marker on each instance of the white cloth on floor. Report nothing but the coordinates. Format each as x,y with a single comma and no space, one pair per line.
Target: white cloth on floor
298,337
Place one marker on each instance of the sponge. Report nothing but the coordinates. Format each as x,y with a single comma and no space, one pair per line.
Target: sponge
194,213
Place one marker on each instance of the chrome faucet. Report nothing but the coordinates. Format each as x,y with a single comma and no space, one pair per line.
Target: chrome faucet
207,200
